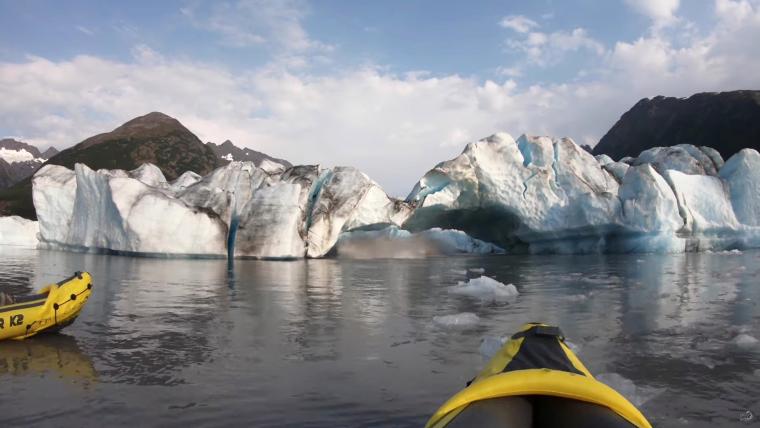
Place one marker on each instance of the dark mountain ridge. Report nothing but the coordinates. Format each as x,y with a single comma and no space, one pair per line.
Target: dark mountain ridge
155,138
228,152
12,171
725,121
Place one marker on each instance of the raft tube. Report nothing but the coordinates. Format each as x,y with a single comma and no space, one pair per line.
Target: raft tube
50,309
535,380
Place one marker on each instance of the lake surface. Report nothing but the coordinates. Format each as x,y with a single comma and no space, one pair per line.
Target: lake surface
322,343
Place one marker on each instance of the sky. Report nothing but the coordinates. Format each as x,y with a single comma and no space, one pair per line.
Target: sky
390,87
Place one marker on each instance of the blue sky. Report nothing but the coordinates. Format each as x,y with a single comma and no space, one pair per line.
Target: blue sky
369,84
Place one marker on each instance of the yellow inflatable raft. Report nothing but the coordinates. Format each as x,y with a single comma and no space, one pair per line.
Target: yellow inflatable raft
51,309
535,380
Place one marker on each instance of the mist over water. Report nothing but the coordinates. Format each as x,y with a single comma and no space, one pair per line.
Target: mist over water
352,342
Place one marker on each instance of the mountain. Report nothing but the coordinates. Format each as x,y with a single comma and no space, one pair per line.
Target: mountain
50,152
726,121
19,160
154,138
229,152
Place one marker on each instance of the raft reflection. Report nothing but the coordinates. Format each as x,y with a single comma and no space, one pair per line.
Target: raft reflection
53,353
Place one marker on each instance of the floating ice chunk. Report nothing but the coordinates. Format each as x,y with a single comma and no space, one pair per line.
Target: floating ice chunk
459,271
756,373
479,271
635,394
392,242
462,320
490,345
746,341
577,298
573,346
725,252
485,289
18,231
746,417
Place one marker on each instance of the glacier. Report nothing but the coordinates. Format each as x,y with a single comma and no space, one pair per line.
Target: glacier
533,194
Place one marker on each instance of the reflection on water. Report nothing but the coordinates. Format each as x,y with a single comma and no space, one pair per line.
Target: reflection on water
351,342
56,355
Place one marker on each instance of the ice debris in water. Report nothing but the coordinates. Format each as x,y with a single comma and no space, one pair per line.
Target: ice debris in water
635,394
744,340
579,297
725,252
479,271
459,271
490,345
573,347
746,417
756,372
461,320
486,289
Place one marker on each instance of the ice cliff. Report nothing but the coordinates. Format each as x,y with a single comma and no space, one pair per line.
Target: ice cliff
533,194
238,210
538,194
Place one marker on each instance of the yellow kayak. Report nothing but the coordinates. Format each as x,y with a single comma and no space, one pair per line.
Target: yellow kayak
535,380
50,309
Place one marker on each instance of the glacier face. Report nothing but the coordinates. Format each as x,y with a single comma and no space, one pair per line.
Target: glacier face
533,194
239,210
18,232
538,194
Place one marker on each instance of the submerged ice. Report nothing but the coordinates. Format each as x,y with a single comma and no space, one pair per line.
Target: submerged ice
533,194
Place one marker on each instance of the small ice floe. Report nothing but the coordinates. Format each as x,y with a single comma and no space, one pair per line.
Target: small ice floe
745,341
459,272
573,347
485,289
478,271
746,417
725,252
576,298
635,394
490,345
457,321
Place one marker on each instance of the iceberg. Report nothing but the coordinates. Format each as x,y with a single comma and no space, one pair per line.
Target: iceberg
239,210
542,195
534,194
17,231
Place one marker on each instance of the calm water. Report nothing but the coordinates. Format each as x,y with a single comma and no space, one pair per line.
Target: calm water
352,343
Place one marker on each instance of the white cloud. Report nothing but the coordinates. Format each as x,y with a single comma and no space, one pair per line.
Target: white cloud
369,117
84,30
518,23
545,49
661,12
277,24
